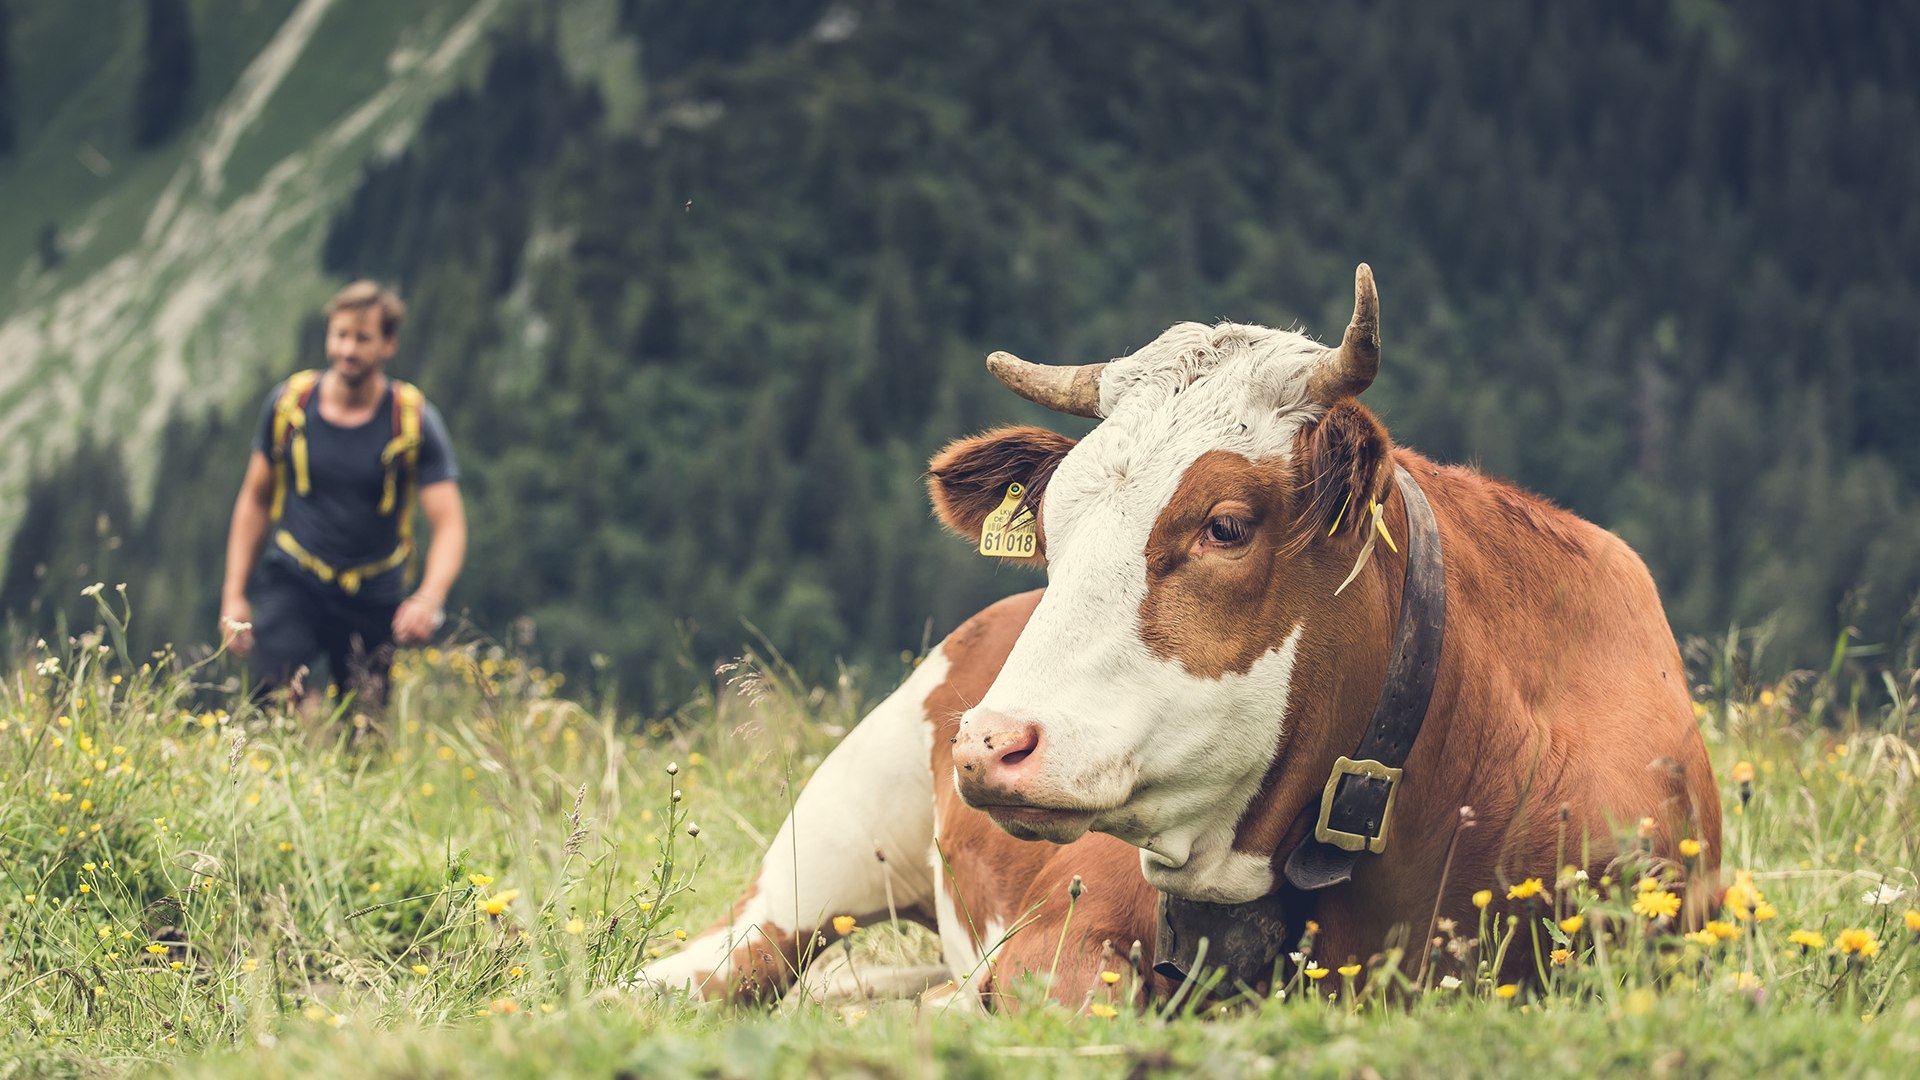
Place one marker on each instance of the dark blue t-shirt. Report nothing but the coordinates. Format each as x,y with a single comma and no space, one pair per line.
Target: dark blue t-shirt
339,519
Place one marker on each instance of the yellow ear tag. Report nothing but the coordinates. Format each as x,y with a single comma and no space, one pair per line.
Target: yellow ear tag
1005,538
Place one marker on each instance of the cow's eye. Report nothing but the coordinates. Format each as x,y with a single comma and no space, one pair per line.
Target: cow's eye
1226,531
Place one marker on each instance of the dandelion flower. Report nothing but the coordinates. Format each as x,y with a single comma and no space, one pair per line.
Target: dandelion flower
1560,957
1482,898
1526,889
1853,941
1109,977
1349,970
1656,904
1572,924
1103,1010
1690,848
844,925
1702,937
1808,939
1724,931
1764,911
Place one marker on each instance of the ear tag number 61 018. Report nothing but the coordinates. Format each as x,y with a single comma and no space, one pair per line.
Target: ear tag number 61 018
1004,537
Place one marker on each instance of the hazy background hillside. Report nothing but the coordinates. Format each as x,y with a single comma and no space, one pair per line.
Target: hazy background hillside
700,287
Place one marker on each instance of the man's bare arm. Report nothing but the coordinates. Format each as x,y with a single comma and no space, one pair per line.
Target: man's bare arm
421,613
245,536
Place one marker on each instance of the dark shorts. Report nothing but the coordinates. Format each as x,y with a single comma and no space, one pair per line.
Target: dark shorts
296,620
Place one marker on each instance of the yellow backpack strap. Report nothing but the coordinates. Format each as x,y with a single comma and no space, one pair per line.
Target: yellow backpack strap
290,437
402,455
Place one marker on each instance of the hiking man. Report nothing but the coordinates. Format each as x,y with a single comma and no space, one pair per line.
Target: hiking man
338,459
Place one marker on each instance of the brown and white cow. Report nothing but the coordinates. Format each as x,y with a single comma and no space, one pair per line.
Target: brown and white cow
1168,711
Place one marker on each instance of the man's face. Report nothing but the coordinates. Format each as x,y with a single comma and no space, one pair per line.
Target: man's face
356,347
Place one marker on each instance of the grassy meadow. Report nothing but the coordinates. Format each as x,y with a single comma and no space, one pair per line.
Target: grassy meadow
191,885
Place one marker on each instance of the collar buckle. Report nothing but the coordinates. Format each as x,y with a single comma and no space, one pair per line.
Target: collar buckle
1371,775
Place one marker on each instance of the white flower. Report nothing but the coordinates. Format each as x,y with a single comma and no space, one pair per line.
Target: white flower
1449,982
49,666
93,589
1882,896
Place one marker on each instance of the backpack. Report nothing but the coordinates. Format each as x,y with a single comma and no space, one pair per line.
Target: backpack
401,456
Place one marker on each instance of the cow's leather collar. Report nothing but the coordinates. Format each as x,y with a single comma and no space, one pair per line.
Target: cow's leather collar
1244,939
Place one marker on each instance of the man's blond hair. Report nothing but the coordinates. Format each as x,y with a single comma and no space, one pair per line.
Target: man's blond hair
364,294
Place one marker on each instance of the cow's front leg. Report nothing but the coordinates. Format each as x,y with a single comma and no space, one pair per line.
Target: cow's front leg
854,844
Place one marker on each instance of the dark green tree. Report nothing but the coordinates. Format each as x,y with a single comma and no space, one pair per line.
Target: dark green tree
8,128
164,90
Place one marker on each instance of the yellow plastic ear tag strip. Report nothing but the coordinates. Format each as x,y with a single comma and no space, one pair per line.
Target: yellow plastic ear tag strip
1003,537
1366,551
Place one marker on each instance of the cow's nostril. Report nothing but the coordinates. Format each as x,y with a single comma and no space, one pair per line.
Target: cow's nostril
1016,757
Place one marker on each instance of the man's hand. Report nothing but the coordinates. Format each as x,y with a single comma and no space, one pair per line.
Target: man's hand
418,617
236,625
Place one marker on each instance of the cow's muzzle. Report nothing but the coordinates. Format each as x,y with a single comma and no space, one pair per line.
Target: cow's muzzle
997,763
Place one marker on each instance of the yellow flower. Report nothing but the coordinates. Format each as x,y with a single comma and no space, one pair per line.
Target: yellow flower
85,888
576,927
1103,1010
844,925
30,898
1506,990
1316,972
421,969
516,971
480,879
1690,848
1702,937
1766,698
1913,920
679,935
497,903
695,758
1743,773
249,964
1647,884
1482,898
1724,931
177,965
1764,911
1349,970
1560,957
1526,889
1852,940
1808,939
156,948
1656,904
1109,977
1572,924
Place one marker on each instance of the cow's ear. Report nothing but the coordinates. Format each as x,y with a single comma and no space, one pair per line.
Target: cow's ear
969,478
1349,465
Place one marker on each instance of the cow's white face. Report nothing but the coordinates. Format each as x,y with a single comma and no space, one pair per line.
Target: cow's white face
1129,734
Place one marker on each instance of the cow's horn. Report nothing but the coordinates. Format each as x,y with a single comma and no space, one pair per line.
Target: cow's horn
1073,390
1350,368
